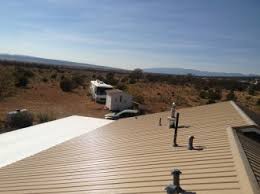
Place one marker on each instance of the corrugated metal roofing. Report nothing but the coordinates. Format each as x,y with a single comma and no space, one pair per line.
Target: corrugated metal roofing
19,144
136,156
252,151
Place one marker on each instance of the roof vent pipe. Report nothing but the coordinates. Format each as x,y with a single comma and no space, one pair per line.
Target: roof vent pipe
190,143
172,116
173,110
175,188
176,131
160,122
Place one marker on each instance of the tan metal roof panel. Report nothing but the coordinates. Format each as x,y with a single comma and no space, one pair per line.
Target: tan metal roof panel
136,156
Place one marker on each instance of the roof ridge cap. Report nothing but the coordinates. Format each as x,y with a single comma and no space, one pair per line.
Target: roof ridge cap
242,113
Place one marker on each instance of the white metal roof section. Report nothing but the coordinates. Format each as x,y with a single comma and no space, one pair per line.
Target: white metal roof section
22,143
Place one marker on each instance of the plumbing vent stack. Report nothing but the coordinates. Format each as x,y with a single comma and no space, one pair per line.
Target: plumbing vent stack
160,122
190,143
172,116
173,110
175,188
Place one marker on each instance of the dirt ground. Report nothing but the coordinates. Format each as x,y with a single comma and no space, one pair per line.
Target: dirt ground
49,98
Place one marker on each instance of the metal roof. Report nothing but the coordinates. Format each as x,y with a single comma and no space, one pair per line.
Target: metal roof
252,152
22,143
136,156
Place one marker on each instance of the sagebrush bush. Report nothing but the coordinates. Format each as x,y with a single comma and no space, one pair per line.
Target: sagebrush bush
45,79
54,76
20,120
22,76
79,80
139,99
67,85
121,86
251,90
110,78
203,94
231,95
45,117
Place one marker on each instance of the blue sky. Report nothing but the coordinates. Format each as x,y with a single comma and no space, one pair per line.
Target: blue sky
219,35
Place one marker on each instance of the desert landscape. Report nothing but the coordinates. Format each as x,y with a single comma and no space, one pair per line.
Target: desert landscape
38,88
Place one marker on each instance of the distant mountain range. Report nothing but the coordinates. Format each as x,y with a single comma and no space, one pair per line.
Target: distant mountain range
170,71
182,71
30,59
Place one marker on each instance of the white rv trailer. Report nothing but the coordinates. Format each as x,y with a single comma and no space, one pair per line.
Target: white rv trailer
98,90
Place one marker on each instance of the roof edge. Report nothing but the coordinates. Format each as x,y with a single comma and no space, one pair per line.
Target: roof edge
246,176
242,114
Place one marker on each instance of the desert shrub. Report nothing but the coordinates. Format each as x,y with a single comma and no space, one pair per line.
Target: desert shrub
210,101
54,76
251,90
121,86
22,76
22,81
203,94
60,70
136,74
67,85
248,97
110,78
79,80
28,73
231,95
1,125
211,94
7,83
94,76
45,117
124,79
45,79
20,120
257,86
19,71
139,99
100,77
151,78
214,94
132,81
180,100
258,102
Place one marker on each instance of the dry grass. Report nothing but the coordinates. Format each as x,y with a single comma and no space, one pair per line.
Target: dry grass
159,96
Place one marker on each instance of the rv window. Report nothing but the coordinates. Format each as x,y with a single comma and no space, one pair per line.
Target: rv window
102,91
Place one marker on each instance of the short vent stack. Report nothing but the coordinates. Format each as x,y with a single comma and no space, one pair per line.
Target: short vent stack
175,188
190,143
